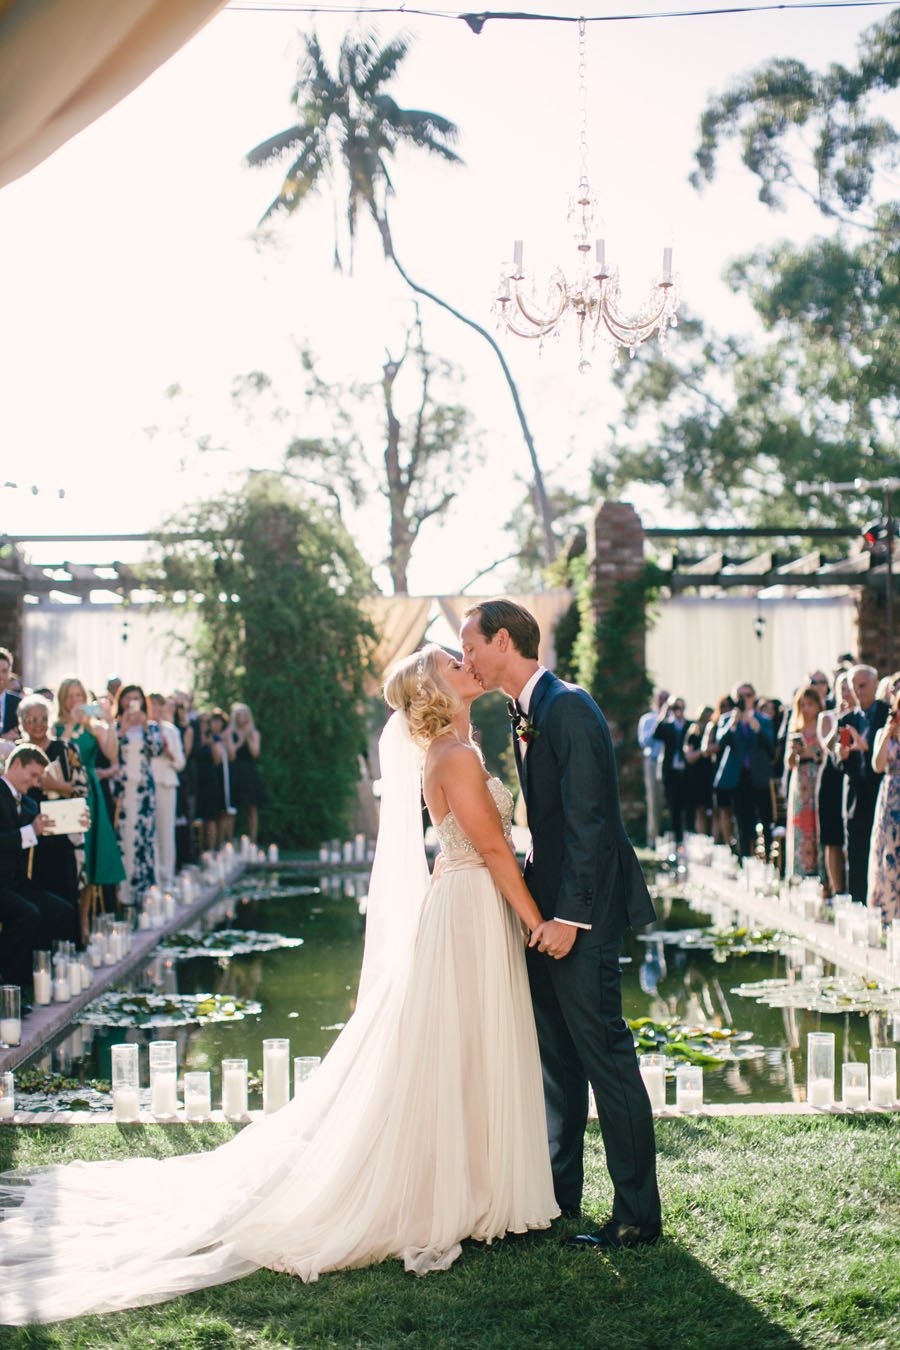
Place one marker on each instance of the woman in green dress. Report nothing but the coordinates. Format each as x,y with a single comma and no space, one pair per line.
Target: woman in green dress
79,724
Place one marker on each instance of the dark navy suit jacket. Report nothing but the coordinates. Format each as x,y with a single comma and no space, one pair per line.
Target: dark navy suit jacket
582,867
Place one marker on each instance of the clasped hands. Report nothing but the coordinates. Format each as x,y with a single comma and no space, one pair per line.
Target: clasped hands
554,938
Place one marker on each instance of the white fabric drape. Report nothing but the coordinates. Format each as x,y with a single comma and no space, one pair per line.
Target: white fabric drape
699,648
63,63
401,622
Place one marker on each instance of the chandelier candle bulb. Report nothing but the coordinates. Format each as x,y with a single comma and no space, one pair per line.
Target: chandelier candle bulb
600,247
276,1074
667,265
518,254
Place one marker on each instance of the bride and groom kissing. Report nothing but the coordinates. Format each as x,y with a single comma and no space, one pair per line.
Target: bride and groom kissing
453,1105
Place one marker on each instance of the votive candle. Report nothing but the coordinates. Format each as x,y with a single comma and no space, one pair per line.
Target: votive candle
234,1089
197,1095
883,1076
276,1074
42,980
653,1072
855,1086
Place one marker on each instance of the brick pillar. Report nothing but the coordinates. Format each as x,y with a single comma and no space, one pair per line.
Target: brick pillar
618,674
871,628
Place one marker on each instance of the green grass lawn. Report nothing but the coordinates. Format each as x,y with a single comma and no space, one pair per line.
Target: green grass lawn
779,1232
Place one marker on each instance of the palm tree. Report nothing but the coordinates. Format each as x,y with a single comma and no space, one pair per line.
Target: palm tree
348,126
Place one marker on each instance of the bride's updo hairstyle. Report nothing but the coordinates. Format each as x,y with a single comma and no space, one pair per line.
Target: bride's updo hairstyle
414,686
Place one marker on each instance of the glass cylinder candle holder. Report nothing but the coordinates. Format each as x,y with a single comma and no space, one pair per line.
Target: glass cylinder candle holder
197,1095
820,1069
7,1096
42,978
234,1089
855,1086
893,942
689,1088
164,1078
653,1072
276,1074
74,964
883,1076
304,1067
125,1082
10,1015
273,853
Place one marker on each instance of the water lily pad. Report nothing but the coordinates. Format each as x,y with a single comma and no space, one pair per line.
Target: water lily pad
224,943
824,993
692,1044
166,1010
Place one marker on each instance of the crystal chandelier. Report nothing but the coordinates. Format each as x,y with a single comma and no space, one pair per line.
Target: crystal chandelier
592,297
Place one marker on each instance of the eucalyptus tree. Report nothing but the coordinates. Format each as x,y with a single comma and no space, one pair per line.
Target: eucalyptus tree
348,130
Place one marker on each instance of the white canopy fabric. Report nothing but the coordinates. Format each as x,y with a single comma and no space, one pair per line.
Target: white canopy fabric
63,63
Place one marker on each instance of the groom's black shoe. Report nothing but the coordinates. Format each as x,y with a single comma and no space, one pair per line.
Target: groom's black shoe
613,1236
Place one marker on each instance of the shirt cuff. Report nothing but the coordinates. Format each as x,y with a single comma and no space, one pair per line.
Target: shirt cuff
29,838
573,924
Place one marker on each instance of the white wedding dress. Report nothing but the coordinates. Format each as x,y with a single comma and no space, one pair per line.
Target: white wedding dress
424,1125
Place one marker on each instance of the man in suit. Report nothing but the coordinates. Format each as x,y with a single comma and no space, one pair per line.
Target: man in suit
588,885
9,702
31,918
671,729
746,741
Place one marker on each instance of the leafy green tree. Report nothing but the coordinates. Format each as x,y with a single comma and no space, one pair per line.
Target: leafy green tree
348,131
734,426
276,587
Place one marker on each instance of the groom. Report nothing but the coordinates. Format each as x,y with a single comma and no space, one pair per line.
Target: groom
588,885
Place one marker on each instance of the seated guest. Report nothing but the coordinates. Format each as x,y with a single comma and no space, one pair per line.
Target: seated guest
59,862
747,743
671,729
855,741
9,699
31,918
166,769
884,852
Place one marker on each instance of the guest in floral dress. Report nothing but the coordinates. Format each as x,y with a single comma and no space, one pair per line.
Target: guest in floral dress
884,852
804,759
139,740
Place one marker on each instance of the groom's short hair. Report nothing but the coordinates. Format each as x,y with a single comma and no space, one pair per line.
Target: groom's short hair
521,626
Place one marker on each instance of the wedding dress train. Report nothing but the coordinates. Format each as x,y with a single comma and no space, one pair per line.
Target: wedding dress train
424,1125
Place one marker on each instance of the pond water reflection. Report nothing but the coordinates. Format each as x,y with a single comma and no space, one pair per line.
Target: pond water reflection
307,993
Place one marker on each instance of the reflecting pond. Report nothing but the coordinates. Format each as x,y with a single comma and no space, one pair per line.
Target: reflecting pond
253,985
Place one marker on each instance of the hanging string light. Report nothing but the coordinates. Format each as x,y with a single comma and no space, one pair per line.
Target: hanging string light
591,300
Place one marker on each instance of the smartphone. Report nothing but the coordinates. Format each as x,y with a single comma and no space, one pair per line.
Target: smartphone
845,736
741,705
91,710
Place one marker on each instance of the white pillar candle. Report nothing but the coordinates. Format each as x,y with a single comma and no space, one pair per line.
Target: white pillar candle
163,1093
820,1092
7,1096
323,853
855,1086
600,248
347,852
61,988
87,973
273,853
653,1072
234,1088
197,1096
125,1103
667,264
359,848
43,987
75,977
276,1074
10,1030
883,1075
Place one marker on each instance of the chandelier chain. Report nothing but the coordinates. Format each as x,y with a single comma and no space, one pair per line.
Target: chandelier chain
582,100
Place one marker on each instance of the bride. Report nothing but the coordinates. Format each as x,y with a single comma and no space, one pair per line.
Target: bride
425,1123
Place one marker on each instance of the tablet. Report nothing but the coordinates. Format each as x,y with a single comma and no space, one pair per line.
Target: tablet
67,815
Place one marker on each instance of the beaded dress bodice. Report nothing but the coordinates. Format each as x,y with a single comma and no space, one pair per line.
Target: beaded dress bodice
454,843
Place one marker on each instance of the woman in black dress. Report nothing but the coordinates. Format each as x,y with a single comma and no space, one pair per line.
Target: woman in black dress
831,780
207,758
248,793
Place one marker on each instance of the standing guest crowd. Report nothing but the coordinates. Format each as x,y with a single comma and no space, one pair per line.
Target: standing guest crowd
820,773
159,780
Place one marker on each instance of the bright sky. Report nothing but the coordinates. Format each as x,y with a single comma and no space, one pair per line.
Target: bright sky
128,261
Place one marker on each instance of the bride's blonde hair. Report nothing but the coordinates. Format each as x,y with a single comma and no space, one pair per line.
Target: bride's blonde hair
414,686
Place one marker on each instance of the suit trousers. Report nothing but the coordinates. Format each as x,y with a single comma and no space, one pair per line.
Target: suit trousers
585,1040
752,807
32,921
859,839
164,845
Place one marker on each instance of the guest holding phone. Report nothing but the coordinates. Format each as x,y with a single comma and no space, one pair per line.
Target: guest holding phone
804,759
746,742
856,736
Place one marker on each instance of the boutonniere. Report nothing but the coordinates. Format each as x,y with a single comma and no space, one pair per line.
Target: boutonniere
525,729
